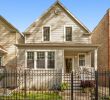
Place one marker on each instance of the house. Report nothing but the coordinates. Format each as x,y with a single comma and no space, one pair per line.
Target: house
9,36
101,35
57,41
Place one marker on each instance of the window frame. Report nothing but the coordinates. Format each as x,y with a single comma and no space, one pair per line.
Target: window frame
40,59
53,59
1,60
65,32
35,59
79,59
29,59
43,33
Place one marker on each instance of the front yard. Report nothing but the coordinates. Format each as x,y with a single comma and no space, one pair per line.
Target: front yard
33,96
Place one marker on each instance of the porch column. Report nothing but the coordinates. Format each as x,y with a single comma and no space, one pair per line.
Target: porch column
95,59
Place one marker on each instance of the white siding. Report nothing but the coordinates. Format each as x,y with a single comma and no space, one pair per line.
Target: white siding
57,23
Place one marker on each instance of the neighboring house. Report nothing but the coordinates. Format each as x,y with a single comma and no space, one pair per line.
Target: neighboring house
9,36
57,41
101,35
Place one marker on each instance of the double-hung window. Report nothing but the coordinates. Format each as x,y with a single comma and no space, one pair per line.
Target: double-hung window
46,33
68,33
81,59
40,60
51,60
30,59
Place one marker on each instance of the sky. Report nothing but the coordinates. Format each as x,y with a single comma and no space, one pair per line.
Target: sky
22,13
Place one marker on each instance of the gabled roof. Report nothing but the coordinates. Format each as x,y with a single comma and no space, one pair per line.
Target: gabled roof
61,5
9,24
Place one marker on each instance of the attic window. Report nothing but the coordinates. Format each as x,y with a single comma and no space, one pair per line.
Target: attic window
68,33
46,33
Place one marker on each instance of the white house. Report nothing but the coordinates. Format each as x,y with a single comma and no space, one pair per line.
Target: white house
57,41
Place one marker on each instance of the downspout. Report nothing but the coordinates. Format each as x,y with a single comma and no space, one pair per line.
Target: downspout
108,40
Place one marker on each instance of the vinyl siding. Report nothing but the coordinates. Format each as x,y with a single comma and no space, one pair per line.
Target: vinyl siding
57,23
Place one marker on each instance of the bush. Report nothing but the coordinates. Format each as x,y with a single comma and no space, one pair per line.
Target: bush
60,87
56,87
64,86
88,85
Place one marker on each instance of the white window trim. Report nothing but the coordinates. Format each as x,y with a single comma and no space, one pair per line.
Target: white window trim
78,59
35,58
43,33
65,32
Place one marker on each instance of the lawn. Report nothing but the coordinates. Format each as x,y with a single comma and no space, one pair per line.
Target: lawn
32,96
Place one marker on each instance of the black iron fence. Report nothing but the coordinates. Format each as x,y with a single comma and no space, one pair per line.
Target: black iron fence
54,85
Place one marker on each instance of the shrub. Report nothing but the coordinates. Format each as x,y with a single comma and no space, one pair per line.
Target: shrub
64,86
88,85
56,87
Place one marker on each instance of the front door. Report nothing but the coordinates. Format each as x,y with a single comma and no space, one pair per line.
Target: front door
68,65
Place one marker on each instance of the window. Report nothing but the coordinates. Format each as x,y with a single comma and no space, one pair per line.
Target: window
81,60
30,59
68,31
0,61
51,60
40,59
46,33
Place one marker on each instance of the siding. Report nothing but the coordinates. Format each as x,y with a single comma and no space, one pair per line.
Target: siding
21,57
8,38
57,23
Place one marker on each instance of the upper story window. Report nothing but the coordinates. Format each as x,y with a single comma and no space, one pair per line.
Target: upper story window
68,33
81,59
46,33
30,59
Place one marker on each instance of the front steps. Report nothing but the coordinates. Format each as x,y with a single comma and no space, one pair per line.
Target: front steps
76,82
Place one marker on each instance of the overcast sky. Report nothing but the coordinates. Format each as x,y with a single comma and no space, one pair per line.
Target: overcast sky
21,13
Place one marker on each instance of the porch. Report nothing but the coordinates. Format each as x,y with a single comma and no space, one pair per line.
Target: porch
77,60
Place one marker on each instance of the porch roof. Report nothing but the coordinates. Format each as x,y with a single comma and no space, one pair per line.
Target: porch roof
65,46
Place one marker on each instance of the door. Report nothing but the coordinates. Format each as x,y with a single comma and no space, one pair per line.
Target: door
68,65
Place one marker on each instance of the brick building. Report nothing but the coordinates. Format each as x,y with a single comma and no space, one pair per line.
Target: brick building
101,35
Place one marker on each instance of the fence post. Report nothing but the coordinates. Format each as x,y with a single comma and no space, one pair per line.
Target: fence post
96,88
25,85
72,85
109,82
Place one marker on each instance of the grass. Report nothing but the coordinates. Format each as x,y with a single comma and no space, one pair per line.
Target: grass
32,96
